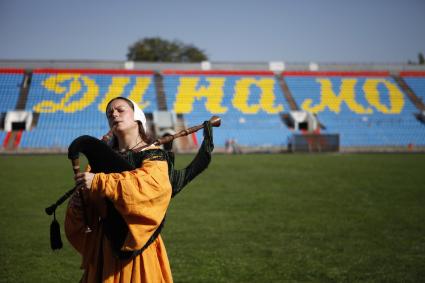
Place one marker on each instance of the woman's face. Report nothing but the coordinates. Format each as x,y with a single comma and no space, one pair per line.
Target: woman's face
121,116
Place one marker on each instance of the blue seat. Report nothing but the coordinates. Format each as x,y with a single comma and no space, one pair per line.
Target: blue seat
10,85
417,84
361,129
249,129
57,128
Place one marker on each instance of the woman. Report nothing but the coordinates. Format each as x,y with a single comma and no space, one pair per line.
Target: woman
140,197
126,210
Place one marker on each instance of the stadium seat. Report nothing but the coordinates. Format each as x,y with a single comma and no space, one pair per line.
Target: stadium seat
365,109
416,81
71,103
10,83
249,104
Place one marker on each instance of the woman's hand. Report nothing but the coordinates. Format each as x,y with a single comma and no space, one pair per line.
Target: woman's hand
84,180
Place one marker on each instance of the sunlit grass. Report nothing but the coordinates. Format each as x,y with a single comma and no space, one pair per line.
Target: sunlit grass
248,218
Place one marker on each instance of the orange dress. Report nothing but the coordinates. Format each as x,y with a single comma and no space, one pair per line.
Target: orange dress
141,197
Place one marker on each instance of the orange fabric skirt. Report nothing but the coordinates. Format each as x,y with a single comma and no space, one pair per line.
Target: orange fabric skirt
150,266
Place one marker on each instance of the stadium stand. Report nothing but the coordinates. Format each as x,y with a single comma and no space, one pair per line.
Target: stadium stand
365,108
249,104
416,82
72,102
10,81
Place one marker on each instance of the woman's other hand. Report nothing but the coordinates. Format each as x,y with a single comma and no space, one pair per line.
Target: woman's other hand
84,180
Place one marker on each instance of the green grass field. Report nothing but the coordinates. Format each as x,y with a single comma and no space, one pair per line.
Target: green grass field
249,218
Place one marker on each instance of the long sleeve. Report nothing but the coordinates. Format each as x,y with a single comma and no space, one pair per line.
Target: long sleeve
180,178
140,196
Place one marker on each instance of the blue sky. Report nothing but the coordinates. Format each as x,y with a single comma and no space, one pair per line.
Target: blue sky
380,31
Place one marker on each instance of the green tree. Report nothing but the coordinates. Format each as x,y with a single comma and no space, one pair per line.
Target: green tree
156,49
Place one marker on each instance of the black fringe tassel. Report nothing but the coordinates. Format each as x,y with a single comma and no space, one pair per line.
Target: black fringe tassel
55,234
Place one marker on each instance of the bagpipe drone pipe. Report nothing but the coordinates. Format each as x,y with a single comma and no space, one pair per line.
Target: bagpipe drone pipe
102,158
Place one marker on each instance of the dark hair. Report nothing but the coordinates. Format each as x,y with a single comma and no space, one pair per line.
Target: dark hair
145,137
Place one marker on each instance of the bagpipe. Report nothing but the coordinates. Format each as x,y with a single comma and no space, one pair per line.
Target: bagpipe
102,158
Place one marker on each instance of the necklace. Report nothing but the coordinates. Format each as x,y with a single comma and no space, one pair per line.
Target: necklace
126,151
